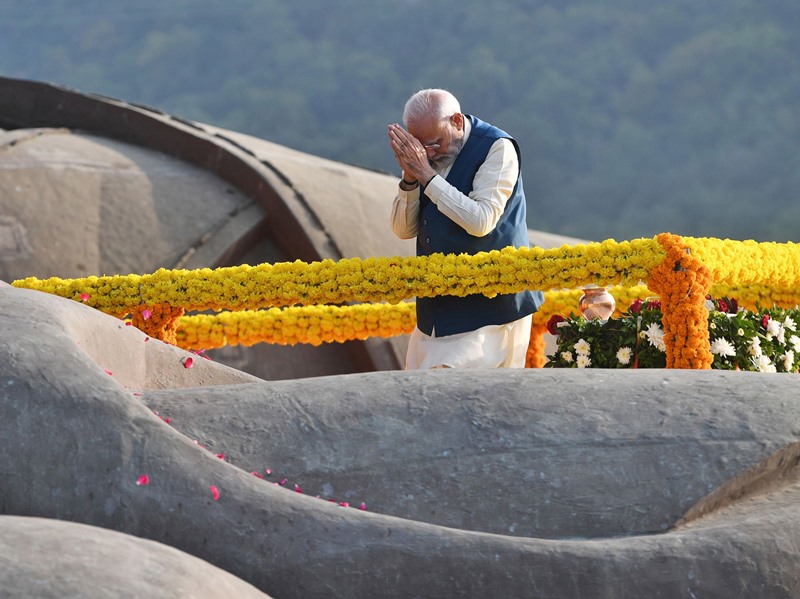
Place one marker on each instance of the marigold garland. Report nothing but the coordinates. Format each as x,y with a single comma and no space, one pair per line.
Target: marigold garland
384,320
307,324
365,280
536,356
754,296
158,320
748,262
683,282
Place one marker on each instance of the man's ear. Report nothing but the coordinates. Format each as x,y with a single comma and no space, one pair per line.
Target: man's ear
458,121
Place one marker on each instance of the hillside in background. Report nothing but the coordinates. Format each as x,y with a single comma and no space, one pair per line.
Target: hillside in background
634,118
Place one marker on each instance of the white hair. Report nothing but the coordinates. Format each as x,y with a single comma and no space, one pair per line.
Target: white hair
434,103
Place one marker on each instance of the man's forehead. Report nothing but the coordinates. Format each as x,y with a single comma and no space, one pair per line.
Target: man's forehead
427,130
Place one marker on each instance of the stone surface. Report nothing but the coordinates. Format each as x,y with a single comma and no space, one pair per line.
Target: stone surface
52,559
596,468
549,454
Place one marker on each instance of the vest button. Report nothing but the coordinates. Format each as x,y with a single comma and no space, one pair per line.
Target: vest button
427,240
425,222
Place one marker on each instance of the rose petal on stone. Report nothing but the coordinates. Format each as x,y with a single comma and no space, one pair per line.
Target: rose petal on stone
187,363
108,372
214,492
256,474
283,481
146,339
221,456
137,394
268,471
143,480
128,323
344,504
362,506
84,297
297,488
146,313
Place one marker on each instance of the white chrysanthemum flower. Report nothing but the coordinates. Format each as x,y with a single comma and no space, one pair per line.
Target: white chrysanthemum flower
583,361
755,347
788,323
773,327
566,356
624,355
794,340
764,364
582,347
781,336
710,305
722,347
655,335
788,361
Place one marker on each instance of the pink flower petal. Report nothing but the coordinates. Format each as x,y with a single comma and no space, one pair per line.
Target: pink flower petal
146,313
108,372
221,456
84,297
146,339
297,488
268,471
143,480
256,474
283,482
362,506
137,394
162,418
128,323
344,504
214,492
187,363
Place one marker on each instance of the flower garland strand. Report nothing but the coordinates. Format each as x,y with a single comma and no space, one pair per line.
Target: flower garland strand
288,326
365,280
755,296
683,282
748,262
536,356
324,324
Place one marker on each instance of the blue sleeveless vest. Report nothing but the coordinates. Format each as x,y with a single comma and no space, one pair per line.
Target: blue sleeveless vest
437,233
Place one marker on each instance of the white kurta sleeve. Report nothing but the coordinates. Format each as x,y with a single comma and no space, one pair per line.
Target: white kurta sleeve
405,213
